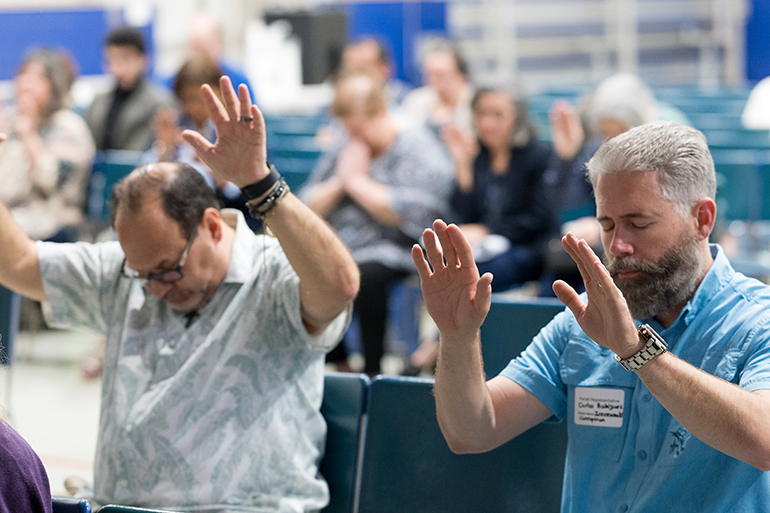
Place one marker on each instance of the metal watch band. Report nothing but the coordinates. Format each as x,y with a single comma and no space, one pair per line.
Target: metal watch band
256,190
655,345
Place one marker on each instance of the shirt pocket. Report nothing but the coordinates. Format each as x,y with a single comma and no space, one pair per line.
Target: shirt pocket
593,372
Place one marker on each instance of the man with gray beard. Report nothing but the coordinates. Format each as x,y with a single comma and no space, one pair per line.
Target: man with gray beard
661,370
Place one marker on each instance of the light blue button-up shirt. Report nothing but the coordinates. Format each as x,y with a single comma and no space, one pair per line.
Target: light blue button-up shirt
626,453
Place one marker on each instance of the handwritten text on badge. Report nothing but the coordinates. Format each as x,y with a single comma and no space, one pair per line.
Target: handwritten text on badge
602,407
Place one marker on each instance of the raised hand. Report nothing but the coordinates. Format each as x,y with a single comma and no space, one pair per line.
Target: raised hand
605,317
239,154
463,148
165,124
567,134
456,297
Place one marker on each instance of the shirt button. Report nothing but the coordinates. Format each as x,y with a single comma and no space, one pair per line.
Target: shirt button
623,508
646,397
642,455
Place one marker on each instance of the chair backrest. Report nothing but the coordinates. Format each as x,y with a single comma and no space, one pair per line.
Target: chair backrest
509,328
10,307
343,407
109,167
407,465
70,505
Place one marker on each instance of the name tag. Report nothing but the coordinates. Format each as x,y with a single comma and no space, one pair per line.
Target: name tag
602,407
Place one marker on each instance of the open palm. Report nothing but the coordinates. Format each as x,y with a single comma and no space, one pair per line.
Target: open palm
239,154
456,297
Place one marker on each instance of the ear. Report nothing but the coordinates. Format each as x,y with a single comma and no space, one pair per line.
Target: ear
212,223
705,212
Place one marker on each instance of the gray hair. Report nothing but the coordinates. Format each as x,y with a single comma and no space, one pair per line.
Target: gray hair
624,98
678,153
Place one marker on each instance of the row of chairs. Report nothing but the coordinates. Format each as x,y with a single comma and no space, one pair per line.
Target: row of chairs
385,452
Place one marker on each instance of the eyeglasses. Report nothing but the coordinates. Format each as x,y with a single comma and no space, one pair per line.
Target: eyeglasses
172,276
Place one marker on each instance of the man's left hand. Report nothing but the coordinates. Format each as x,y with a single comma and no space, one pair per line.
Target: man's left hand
239,154
605,317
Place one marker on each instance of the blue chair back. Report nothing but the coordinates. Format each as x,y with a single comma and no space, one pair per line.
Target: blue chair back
108,169
509,328
10,307
343,407
292,124
738,139
408,467
70,505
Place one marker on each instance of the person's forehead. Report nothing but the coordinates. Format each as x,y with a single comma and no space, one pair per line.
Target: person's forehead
148,236
619,194
440,61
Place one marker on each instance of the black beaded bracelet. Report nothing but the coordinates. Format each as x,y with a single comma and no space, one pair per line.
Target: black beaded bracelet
256,190
265,207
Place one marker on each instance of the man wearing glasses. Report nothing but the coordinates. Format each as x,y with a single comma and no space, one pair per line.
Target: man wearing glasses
216,337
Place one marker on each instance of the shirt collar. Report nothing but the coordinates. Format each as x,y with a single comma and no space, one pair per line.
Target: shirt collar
241,259
716,278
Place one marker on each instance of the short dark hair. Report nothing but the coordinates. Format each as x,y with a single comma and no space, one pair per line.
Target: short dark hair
383,55
182,190
196,72
127,36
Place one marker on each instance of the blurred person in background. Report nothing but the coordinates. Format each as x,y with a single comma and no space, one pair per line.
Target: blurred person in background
498,201
45,161
446,96
121,119
371,55
205,41
378,189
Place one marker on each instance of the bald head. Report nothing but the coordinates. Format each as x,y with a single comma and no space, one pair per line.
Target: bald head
204,37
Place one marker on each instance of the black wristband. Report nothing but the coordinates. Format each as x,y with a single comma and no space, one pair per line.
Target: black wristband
256,190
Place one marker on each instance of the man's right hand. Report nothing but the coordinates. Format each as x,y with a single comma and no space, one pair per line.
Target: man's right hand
456,297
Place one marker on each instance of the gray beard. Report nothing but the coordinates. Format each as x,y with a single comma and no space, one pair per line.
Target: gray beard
664,283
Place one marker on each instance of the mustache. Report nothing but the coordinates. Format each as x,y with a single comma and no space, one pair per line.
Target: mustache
618,264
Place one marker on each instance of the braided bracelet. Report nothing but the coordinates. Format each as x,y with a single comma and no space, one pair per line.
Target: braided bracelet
265,207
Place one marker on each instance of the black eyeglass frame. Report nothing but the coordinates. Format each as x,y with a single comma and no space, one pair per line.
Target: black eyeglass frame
171,276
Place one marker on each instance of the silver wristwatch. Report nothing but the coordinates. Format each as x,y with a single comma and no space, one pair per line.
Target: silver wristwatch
655,345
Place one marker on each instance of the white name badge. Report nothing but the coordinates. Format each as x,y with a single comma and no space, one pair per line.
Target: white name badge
602,407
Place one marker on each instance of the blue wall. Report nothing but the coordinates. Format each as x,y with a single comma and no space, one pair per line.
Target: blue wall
758,41
80,31
401,25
